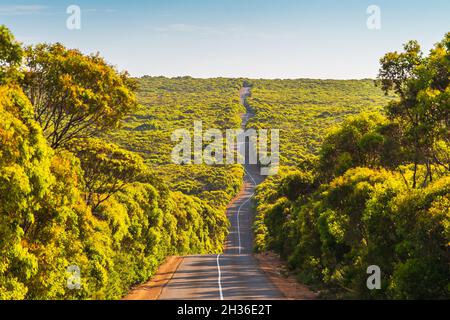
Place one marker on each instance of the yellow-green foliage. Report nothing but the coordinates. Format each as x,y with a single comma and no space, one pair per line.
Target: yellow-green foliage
365,217
145,225
46,225
74,95
378,193
99,208
70,200
170,104
305,109
331,224
40,206
107,168
24,170
11,54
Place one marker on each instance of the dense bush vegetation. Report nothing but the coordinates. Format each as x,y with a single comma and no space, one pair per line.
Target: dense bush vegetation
377,194
305,109
68,199
170,104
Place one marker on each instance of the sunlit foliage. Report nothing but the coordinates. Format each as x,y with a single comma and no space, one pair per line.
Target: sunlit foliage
305,109
378,193
74,95
170,104
85,202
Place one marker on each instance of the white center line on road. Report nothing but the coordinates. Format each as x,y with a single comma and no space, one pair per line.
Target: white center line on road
238,224
239,212
248,173
219,278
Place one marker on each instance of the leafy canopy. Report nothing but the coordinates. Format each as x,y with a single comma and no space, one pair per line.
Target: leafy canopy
11,54
74,95
107,168
423,108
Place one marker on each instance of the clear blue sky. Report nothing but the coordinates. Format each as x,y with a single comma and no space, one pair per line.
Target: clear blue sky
233,38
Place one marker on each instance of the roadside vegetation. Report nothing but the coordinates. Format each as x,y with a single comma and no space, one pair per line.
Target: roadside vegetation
71,197
375,190
86,178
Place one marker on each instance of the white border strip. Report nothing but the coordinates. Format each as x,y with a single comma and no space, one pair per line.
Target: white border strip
239,211
238,223
219,278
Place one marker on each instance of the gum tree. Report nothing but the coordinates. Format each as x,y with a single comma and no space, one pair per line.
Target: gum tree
11,54
75,95
423,107
107,168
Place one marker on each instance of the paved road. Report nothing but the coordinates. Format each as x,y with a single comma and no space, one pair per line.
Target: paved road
235,275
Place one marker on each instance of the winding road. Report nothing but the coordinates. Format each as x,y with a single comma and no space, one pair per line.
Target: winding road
235,274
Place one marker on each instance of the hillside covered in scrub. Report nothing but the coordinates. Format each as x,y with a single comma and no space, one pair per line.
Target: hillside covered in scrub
305,109
168,104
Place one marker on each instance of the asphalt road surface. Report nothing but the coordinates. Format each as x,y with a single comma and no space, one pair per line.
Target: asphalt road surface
234,275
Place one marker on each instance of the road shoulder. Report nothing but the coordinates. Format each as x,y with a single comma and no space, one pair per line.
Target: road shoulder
282,278
154,287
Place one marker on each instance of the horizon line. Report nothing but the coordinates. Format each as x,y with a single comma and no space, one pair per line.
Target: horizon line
249,78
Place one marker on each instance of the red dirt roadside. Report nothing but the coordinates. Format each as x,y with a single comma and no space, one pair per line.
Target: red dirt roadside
275,269
153,288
